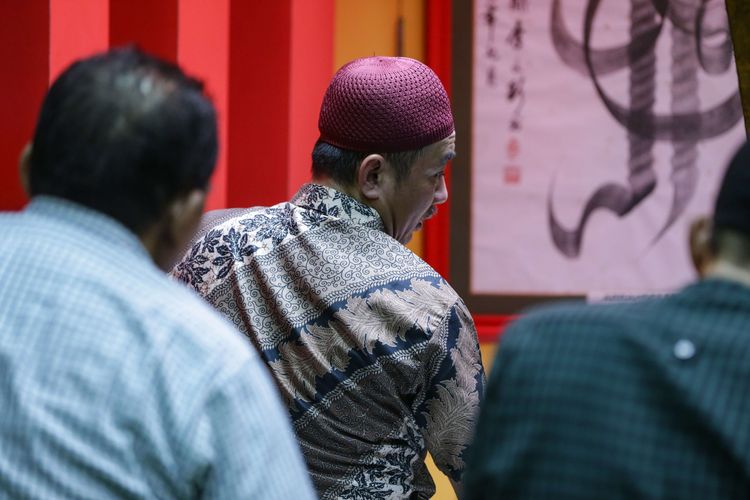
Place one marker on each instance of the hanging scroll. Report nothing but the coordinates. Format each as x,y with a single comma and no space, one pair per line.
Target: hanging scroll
598,131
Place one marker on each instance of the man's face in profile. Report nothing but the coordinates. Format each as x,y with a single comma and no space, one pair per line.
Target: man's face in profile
415,198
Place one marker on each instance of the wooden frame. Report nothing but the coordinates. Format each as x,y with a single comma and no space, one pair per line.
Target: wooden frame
491,311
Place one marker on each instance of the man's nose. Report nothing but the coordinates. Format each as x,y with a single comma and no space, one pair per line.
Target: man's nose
441,194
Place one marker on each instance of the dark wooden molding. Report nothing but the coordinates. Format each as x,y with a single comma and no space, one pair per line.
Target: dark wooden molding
738,12
486,308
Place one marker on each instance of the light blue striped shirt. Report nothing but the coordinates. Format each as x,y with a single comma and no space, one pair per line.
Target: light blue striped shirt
117,383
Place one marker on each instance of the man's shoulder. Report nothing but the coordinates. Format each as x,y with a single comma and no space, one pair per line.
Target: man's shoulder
258,224
177,326
400,262
183,330
576,323
22,223
222,220
8,218
228,235
185,314
373,259
214,218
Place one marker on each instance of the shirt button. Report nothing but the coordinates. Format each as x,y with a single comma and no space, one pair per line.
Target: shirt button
684,349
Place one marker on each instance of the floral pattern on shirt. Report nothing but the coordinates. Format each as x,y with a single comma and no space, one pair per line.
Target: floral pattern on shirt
373,352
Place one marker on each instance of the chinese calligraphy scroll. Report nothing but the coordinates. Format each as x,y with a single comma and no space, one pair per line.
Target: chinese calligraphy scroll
599,130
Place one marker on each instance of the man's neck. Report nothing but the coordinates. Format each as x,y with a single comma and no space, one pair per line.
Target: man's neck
729,271
347,190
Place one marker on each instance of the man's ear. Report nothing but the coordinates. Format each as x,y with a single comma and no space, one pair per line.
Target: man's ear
24,168
371,175
176,228
699,240
185,213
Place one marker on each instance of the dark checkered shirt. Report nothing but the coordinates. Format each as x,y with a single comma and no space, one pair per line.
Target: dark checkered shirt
637,400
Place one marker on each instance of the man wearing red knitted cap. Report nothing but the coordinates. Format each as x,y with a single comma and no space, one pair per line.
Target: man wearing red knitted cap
375,354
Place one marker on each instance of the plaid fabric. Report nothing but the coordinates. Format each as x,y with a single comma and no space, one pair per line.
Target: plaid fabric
638,400
117,383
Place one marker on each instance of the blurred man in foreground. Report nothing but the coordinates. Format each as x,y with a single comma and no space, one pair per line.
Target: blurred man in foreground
637,400
114,381
376,355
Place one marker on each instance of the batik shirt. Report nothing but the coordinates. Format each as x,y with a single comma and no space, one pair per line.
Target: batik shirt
374,353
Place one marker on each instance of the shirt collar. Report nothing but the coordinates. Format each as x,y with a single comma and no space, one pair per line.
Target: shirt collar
334,203
88,222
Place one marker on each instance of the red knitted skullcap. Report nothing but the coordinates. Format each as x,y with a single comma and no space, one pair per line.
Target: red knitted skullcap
385,104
